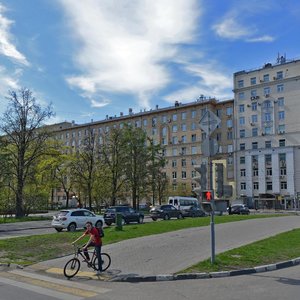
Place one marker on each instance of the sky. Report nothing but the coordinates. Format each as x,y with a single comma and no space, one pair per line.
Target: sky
93,58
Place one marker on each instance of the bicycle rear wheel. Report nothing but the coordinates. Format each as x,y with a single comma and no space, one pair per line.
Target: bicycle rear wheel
106,261
72,267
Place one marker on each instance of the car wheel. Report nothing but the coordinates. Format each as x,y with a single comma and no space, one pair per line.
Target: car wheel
180,216
72,227
141,220
99,224
154,219
108,223
58,229
166,217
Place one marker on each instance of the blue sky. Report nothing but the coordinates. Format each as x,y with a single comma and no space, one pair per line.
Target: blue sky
92,58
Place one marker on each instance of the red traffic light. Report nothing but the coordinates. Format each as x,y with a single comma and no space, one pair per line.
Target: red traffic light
207,195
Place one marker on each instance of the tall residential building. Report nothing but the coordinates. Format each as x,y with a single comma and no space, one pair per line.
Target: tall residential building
177,129
267,134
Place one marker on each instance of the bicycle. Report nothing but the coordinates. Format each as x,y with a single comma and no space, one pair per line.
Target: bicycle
73,265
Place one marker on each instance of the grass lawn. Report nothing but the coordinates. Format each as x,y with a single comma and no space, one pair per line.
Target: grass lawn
33,249
284,246
4,220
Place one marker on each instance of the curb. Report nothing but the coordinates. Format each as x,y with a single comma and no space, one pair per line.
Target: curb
188,276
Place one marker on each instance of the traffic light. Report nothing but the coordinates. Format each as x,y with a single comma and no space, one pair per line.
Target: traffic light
201,179
220,180
207,195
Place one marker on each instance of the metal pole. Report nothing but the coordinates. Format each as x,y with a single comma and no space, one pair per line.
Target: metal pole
212,215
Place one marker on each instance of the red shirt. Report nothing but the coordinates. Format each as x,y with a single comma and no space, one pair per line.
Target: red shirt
95,236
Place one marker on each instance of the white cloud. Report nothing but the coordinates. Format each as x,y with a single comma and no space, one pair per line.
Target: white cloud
6,46
211,83
98,104
126,45
264,38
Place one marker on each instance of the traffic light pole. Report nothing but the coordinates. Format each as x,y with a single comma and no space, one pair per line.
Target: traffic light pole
212,214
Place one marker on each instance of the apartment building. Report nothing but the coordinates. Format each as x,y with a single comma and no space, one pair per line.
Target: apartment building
177,129
267,134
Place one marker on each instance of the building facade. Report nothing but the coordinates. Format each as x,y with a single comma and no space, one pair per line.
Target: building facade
267,134
177,129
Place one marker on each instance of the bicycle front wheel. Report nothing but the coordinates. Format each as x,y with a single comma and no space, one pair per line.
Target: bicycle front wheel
72,267
105,260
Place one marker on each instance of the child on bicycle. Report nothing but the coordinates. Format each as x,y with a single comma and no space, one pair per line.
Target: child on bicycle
94,241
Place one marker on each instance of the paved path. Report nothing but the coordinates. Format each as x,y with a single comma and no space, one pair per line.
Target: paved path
171,252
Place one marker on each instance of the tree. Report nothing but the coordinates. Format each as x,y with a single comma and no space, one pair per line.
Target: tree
84,168
137,157
112,155
25,137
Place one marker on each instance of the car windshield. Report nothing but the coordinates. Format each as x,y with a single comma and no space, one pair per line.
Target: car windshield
111,210
62,213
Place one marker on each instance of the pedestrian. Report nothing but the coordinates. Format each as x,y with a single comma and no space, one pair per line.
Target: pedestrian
95,240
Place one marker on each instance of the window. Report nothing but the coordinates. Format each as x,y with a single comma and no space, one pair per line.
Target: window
282,143
230,148
242,146
164,141
183,151
242,160
174,163
203,136
254,106
267,104
229,123
269,172
242,120
243,185
267,117
241,108
266,78
253,80
154,131
255,185
194,162
193,126
174,117
268,130
194,114
174,186
253,93
174,175
280,88
267,91
219,113
241,83
174,151
268,144
255,172
193,174
174,140
183,127
183,115
254,145
145,122
183,174
194,150
254,131
164,131
281,129
242,133
229,111
243,172
281,115
282,171
269,186
230,161
279,75
183,139
174,128
241,96
229,135
193,138
268,159
183,162
280,101
283,185
254,119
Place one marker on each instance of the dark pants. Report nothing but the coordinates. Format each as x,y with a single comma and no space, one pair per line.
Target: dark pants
98,253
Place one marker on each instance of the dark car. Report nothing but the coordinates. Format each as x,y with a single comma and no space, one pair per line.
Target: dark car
194,211
128,215
238,209
165,212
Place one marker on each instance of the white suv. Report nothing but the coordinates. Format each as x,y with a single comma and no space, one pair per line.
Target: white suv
71,219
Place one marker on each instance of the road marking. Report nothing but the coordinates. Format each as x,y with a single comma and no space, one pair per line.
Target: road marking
50,286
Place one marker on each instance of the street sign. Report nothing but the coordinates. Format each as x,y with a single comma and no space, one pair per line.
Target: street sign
209,147
209,122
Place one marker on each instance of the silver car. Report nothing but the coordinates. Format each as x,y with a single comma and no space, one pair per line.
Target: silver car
71,219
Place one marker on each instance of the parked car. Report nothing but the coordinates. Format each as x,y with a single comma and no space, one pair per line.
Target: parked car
165,212
71,219
238,209
193,211
128,215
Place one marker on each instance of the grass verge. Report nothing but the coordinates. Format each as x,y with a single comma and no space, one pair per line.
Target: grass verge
32,249
4,220
282,247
